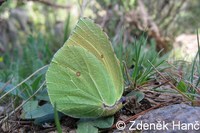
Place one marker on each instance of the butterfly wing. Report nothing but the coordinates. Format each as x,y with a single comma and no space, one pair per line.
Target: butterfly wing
84,78
91,37
78,83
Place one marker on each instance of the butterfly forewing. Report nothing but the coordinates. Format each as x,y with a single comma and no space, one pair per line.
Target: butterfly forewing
91,37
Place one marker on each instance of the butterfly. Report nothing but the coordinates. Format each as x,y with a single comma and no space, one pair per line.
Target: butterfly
84,78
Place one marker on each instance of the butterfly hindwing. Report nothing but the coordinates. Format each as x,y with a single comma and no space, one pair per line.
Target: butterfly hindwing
77,79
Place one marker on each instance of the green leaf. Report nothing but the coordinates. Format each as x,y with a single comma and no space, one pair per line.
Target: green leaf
86,128
91,124
43,95
48,118
29,106
67,27
31,110
35,84
137,94
104,122
182,86
84,78
27,90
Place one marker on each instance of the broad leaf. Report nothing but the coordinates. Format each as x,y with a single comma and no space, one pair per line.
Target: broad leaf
90,125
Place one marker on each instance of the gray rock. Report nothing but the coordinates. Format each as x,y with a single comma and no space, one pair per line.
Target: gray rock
179,118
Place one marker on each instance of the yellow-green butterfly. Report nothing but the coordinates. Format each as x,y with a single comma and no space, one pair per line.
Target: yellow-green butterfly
84,78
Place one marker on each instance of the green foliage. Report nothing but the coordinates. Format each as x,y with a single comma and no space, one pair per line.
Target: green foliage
142,70
196,65
86,128
92,125
5,5
182,86
40,114
129,4
67,28
56,117
29,89
193,76
6,87
136,57
26,90
36,53
188,19
32,109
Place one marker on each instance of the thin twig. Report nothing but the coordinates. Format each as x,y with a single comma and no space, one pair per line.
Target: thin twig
4,87
174,87
13,88
160,85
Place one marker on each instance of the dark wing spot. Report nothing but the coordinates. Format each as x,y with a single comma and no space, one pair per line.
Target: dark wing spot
101,56
78,74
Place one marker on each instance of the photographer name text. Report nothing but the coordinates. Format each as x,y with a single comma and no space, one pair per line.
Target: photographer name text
159,125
